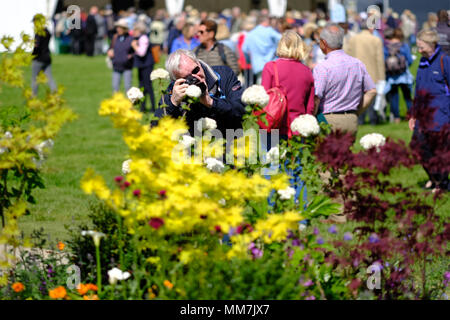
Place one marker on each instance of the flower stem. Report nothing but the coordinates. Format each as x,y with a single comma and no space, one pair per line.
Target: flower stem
99,272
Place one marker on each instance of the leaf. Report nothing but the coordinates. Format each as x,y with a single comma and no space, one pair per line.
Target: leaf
321,206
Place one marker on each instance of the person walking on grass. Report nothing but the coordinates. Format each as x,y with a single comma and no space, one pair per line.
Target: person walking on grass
433,78
343,87
42,60
121,54
398,60
143,61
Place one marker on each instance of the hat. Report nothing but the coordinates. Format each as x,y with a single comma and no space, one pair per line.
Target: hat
123,23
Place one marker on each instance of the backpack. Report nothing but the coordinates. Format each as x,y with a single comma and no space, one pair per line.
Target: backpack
395,62
276,110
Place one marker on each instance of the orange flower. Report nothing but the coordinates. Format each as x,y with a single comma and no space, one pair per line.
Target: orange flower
18,287
91,297
84,288
168,284
57,293
61,246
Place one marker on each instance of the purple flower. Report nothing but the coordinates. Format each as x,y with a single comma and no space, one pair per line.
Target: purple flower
374,238
348,236
320,240
316,231
296,243
310,298
256,253
332,229
308,283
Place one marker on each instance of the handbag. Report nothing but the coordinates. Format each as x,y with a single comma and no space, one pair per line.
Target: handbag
276,110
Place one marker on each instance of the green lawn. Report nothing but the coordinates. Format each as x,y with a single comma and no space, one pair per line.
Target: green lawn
91,141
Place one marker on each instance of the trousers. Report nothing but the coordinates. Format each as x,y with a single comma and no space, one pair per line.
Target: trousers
37,67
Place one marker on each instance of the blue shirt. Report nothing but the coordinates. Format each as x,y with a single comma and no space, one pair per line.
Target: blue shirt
180,43
337,13
431,79
260,46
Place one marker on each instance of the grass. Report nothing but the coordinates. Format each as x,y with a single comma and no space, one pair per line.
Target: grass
91,141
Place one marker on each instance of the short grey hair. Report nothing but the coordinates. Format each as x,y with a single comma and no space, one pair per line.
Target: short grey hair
173,61
333,34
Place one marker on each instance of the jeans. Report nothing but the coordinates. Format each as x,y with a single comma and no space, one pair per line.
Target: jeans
117,75
146,83
394,99
294,174
37,67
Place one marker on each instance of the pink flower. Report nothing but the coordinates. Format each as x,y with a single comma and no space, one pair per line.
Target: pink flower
156,223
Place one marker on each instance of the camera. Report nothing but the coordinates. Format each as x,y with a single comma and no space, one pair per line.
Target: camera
191,80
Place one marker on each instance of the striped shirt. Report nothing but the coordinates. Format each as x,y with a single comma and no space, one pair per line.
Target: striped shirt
340,81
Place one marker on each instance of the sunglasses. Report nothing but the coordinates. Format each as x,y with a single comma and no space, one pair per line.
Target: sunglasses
196,70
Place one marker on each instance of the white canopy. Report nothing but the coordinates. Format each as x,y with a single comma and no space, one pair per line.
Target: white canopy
16,15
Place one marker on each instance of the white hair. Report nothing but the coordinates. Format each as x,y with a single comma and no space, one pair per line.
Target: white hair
173,61
333,34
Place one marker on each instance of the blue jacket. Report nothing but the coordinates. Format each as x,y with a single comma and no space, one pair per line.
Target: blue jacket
227,109
123,53
430,78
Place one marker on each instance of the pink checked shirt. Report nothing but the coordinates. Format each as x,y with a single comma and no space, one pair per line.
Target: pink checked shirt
340,81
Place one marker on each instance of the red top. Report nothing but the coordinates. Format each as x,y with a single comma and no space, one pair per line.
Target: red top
297,81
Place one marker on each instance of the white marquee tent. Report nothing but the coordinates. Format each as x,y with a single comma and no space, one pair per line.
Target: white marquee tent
16,15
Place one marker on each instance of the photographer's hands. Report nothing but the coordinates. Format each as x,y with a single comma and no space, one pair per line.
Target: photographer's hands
179,92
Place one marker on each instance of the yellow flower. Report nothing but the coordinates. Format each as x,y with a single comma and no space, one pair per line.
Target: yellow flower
91,297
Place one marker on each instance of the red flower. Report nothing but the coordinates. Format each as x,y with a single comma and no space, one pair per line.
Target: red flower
118,179
156,223
218,228
137,193
162,194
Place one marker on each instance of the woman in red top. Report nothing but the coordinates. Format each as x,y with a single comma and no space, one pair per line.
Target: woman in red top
295,78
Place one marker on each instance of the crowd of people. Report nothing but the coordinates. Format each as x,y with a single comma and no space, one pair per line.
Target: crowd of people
247,41
339,67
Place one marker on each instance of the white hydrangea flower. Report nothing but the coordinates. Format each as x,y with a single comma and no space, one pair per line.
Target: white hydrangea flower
372,140
8,135
193,91
214,165
274,154
126,166
206,124
222,202
134,94
3,150
159,74
287,193
301,227
187,140
116,274
255,94
306,125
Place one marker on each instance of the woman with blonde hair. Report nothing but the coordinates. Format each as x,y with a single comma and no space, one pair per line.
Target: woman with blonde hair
296,80
294,77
